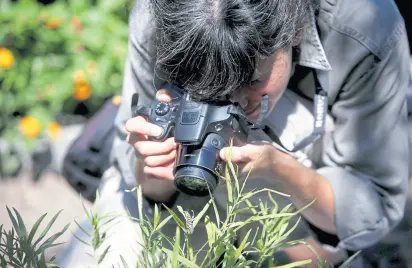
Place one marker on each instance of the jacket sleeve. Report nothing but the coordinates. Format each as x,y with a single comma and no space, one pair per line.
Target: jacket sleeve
367,157
139,76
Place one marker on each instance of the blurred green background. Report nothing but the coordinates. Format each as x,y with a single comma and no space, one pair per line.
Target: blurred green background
57,58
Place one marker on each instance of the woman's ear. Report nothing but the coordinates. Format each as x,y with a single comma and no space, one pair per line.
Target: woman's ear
298,38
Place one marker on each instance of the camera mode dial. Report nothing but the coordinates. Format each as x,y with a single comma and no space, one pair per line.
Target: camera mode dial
162,108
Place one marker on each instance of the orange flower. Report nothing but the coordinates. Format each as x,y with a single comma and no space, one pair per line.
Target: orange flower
82,91
30,127
53,23
6,58
54,130
117,100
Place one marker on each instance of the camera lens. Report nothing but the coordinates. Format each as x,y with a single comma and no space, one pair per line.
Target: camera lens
195,181
197,166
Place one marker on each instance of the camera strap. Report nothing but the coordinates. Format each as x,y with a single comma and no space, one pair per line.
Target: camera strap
320,109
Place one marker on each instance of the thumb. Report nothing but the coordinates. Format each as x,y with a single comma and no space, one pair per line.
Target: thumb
235,154
163,95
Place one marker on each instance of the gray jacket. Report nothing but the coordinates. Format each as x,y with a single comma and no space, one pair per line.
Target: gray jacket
359,52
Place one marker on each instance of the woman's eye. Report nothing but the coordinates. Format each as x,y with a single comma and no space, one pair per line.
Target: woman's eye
254,82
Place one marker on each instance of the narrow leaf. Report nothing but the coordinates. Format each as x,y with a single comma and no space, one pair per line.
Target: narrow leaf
125,265
181,259
156,217
35,227
201,213
21,223
81,228
88,215
14,222
242,245
103,255
176,248
160,225
295,264
175,217
46,230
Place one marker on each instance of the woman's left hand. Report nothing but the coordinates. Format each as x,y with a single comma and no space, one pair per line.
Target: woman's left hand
262,157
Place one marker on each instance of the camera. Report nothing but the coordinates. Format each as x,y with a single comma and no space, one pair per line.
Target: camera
201,129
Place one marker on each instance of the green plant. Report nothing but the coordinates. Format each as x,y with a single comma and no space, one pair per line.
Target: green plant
161,250
22,249
220,247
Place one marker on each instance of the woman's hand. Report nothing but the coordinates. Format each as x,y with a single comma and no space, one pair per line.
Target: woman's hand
156,158
262,157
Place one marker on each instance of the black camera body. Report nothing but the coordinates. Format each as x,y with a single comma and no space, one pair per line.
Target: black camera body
200,129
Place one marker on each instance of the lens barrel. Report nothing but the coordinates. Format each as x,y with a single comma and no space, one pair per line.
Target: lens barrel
197,167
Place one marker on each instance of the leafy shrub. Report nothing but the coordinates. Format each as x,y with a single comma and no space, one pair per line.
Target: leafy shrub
220,247
61,58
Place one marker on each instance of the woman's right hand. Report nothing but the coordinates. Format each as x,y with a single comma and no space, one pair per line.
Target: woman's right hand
157,158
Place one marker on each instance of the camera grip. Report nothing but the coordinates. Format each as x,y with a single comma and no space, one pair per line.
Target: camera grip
163,114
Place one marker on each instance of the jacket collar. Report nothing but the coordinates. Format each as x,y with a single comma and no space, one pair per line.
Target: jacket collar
311,52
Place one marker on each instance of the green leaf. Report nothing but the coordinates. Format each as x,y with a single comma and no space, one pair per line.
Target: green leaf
35,227
20,230
21,223
46,230
250,194
287,234
125,265
176,249
159,227
232,169
229,189
88,214
242,245
156,217
252,219
202,213
295,264
101,258
240,210
211,231
181,259
81,240
49,242
81,228
140,203
175,217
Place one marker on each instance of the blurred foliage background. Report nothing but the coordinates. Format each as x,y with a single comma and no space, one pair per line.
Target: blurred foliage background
59,61
57,58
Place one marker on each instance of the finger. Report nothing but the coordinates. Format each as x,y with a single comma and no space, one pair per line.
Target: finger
236,154
150,148
163,95
160,160
159,172
132,138
139,125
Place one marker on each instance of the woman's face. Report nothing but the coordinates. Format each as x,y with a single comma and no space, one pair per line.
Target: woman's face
270,78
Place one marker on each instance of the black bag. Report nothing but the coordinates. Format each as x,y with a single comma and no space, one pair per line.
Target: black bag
89,155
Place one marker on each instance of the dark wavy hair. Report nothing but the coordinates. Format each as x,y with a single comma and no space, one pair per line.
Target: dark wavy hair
210,47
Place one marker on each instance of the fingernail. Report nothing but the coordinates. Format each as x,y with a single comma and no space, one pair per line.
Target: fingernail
222,154
163,95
